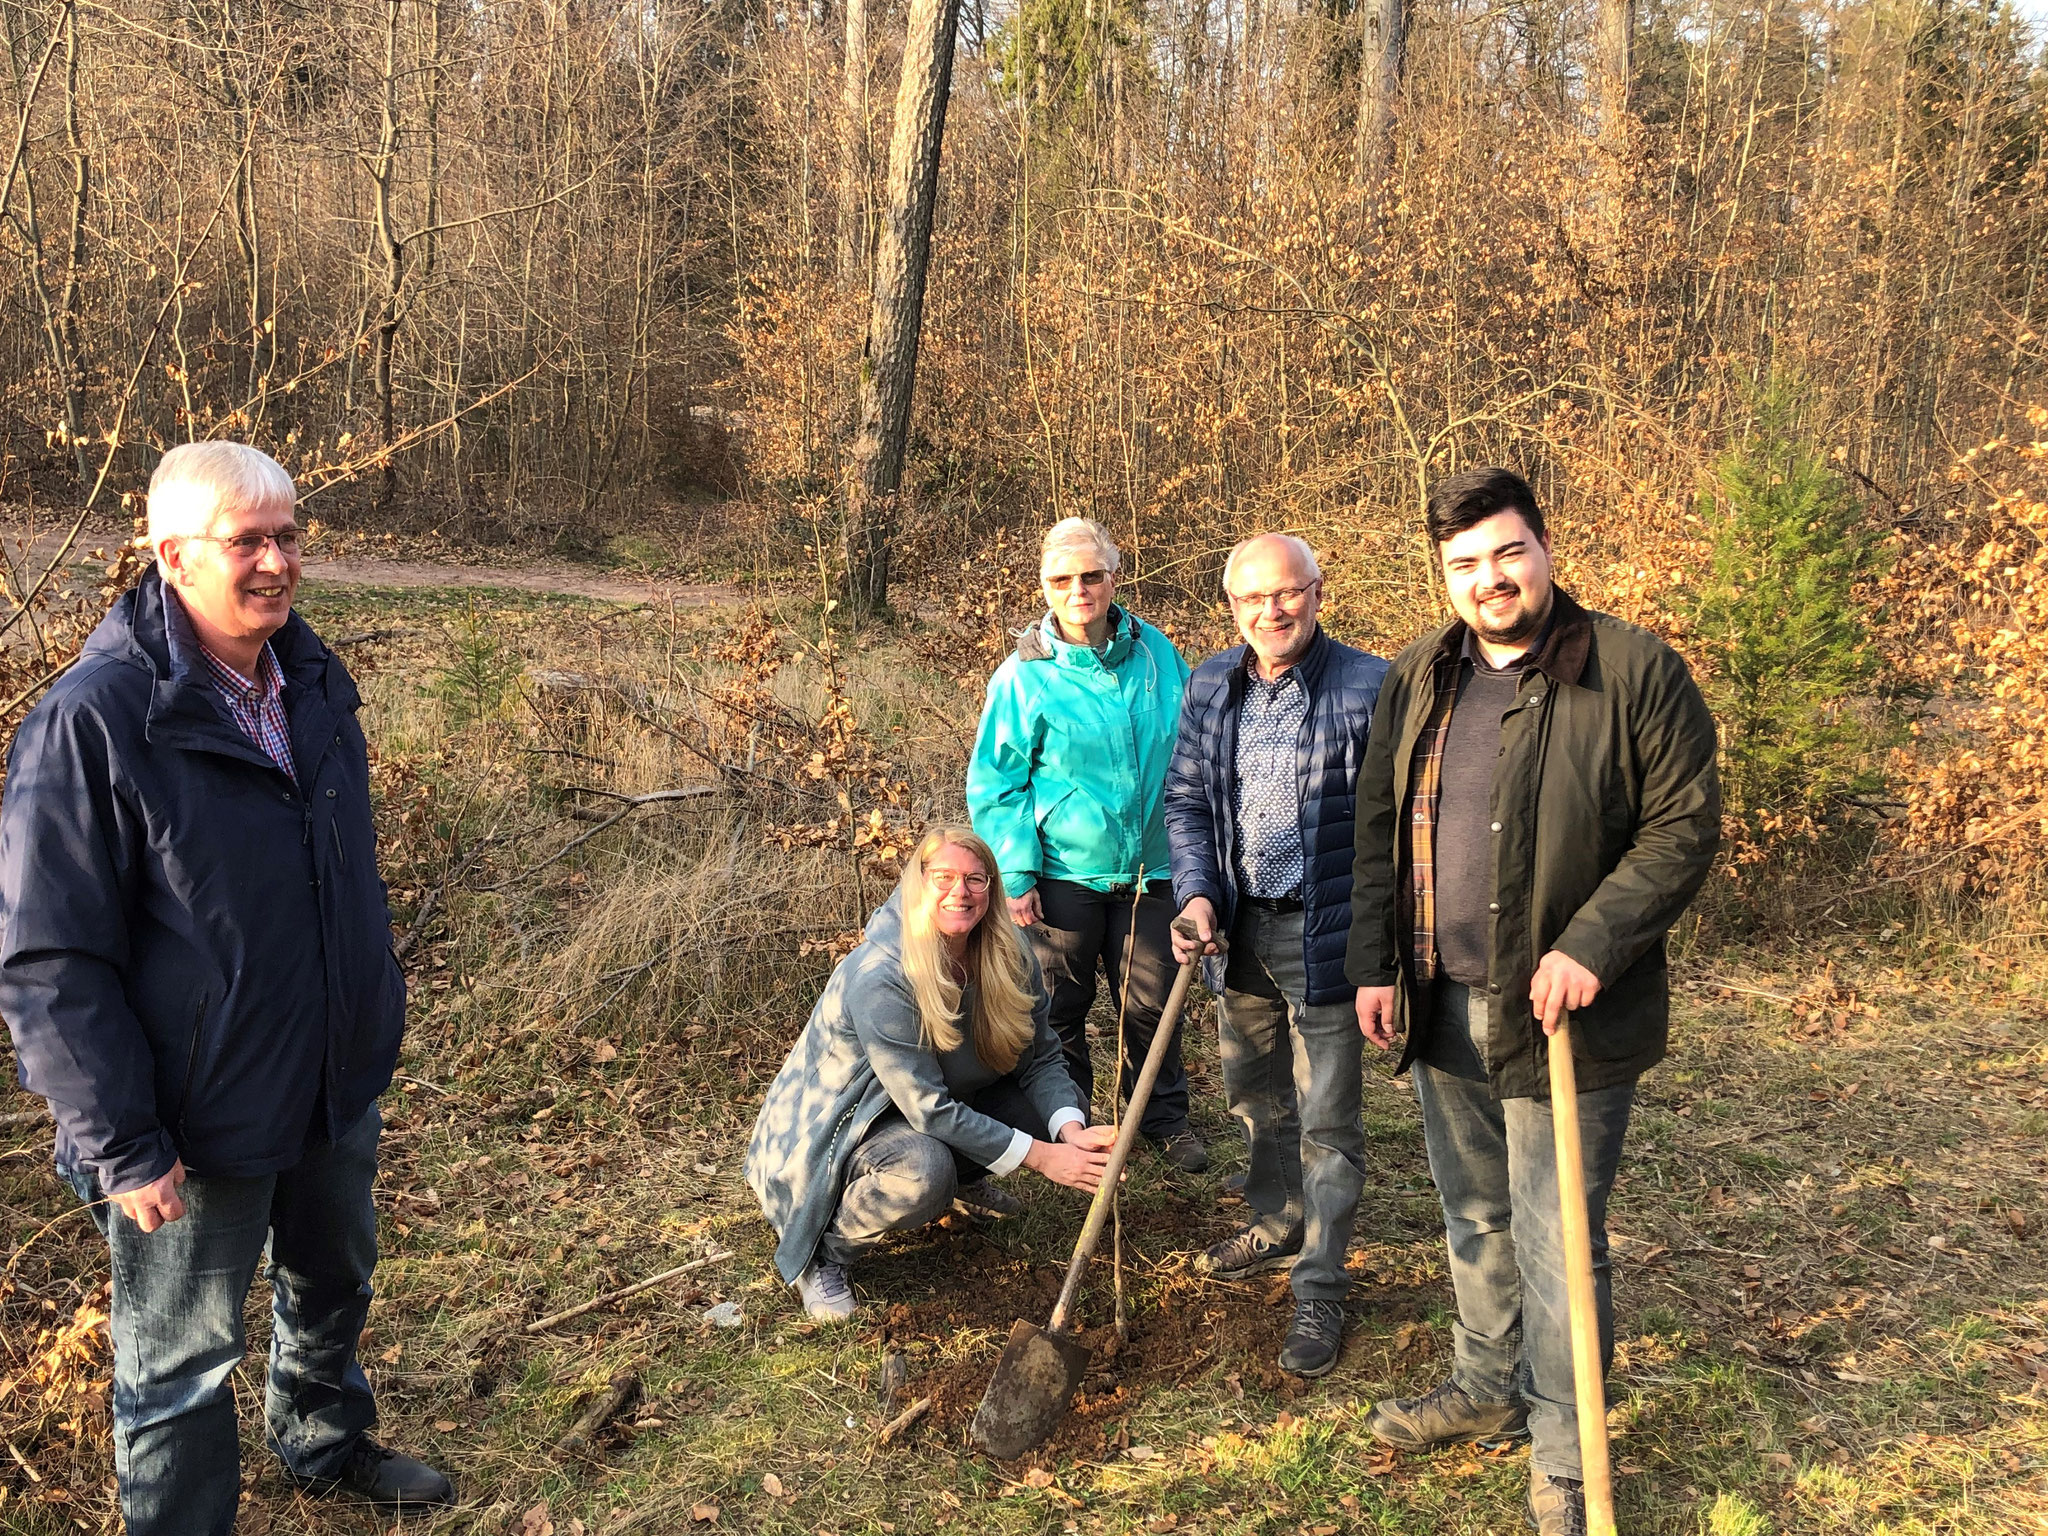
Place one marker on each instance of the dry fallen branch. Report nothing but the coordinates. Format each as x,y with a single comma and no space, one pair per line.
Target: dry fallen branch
622,1394
541,1325
904,1420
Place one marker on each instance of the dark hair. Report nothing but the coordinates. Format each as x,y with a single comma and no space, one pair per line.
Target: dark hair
1471,496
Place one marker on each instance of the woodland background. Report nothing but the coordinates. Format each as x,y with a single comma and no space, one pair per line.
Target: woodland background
1750,289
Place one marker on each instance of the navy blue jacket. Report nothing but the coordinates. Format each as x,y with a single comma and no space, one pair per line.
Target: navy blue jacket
1343,684
195,954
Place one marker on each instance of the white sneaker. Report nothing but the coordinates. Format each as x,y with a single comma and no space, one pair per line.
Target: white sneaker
826,1292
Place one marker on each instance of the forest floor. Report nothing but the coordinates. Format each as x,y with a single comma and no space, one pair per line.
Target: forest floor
1831,1283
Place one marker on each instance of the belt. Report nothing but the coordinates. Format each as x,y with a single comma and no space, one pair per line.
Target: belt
1275,904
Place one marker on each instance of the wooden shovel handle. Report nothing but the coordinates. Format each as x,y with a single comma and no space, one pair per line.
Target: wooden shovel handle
1587,1375
1119,1154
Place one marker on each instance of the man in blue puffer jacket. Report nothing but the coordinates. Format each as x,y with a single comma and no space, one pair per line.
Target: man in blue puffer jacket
1259,814
196,967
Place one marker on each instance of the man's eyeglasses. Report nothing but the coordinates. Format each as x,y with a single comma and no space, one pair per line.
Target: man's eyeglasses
1286,597
943,881
250,545
1086,578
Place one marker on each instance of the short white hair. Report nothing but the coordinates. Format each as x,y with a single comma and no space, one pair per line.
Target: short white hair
197,482
1080,533
1300,548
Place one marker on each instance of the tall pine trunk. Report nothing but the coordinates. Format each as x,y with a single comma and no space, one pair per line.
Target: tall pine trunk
896,310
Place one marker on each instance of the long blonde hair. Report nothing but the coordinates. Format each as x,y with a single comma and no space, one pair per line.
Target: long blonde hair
994,960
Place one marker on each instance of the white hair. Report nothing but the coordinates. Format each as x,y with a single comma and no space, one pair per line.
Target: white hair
197,482
1299,547
1080,533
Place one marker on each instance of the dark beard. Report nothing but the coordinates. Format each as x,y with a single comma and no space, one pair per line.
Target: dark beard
1525,627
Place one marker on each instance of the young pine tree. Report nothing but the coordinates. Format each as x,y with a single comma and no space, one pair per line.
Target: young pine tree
1778,614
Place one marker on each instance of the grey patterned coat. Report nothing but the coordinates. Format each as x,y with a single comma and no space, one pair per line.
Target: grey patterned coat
862,1053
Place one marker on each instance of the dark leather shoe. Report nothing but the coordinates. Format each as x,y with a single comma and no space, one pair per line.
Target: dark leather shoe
1183,1149
385,1477
1314,1339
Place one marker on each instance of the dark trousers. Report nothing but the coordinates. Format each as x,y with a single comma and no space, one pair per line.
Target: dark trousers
178,1335
1083,928
899,1179
1495,1165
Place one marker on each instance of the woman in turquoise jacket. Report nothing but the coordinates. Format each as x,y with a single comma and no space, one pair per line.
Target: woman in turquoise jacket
1066,785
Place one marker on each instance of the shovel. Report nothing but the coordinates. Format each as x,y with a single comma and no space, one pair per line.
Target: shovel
1035,1380
1587,1377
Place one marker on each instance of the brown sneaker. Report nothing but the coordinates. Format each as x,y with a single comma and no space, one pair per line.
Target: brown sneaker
1557,1505
1444,1417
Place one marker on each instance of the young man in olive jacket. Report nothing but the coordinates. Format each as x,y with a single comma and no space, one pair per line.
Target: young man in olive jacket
1537,804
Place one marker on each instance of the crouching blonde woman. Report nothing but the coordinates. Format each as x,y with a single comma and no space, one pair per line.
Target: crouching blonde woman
926,1070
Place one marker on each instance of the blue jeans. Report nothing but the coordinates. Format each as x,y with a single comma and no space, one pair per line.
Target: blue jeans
1292,1076
178,1334
1495,1166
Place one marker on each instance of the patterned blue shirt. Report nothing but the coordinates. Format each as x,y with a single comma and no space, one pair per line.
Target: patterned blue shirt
1267,784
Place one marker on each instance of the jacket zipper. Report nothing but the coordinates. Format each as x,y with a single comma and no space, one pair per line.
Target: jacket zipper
191,1063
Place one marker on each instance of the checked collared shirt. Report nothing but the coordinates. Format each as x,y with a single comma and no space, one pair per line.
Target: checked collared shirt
1267,785
255,704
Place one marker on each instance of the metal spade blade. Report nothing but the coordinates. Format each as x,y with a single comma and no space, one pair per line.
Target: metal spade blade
1035,1380
1029,1393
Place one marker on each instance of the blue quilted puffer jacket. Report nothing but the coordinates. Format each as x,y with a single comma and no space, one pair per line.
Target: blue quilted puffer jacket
1343,685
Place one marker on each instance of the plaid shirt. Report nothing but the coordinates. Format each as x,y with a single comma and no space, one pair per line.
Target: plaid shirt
257,706
1425,787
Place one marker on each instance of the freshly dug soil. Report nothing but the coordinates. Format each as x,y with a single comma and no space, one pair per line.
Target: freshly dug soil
1183,1327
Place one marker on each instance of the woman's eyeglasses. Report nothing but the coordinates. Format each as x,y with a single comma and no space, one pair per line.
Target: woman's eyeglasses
944,880
1086,578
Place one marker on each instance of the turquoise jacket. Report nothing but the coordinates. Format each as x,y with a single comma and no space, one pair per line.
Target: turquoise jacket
1069,771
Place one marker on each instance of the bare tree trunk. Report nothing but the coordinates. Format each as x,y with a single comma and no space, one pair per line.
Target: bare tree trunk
896,313
392,251
74,248
1382,59
856,179
1613,43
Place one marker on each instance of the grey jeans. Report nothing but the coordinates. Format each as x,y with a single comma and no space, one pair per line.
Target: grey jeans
1292,1075
898,1179
1495,1166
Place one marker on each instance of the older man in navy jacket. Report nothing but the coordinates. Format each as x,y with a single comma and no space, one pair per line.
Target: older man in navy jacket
1259,815
196,966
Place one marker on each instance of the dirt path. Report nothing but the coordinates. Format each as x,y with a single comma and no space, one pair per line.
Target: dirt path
33,546
566,581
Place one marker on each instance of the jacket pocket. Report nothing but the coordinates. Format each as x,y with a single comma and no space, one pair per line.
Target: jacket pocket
191,1065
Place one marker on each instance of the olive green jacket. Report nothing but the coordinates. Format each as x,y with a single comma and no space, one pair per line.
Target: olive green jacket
1608,802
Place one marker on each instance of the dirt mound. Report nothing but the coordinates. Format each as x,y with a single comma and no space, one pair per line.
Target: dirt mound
1183,1327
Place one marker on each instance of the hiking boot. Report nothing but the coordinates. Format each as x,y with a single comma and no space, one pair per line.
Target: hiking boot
1444,1417
388,1479
827,1293
1250,1252
1314,1338
1183,1149
982,1198
1557,1505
